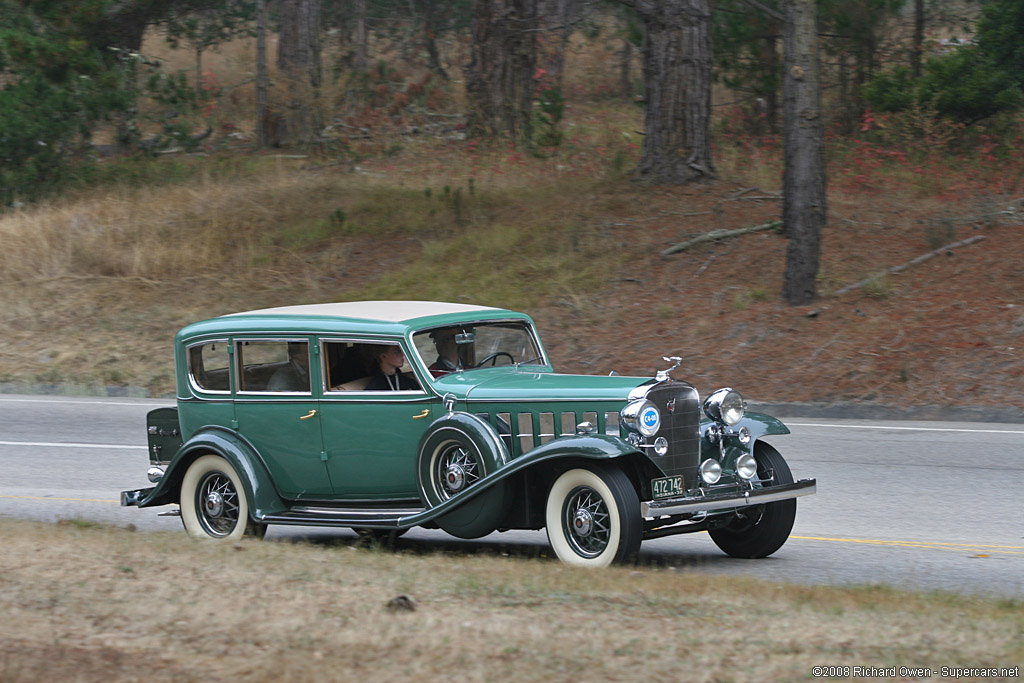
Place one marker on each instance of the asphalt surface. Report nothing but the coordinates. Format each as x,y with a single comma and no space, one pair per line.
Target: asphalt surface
922,505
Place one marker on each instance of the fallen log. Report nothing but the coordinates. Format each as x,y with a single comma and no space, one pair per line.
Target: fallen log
716,235
903,266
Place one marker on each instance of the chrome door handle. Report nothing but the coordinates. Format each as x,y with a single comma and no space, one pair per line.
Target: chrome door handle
306,417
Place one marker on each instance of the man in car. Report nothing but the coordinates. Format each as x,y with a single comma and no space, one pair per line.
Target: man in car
448,360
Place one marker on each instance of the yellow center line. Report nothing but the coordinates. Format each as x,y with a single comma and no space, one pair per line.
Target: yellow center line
934,545
74,500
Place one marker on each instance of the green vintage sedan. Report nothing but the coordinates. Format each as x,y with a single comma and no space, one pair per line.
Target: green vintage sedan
381,416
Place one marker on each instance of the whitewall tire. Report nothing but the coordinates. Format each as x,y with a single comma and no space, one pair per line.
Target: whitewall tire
593,517
213,502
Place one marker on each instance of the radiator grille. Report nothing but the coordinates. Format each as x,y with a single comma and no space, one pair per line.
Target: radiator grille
680,425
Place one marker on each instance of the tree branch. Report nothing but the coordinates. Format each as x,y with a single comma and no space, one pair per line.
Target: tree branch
903,266
716,235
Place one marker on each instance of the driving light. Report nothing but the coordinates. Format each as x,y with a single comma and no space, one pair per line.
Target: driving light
726,406
710,471
746,466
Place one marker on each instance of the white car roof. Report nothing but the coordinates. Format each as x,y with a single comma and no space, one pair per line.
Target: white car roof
384,311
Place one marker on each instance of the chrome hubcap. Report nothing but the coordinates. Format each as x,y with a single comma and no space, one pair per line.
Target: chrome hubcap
214,504
584,523
456,469
456,478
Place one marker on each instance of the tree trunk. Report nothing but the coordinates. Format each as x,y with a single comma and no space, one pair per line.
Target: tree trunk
559,17
677,90
427,19
771,98
199,72
918,44
803,212
298,63
361,59
263,125
625,69
499,78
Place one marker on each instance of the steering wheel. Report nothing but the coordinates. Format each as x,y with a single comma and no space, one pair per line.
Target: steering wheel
494,357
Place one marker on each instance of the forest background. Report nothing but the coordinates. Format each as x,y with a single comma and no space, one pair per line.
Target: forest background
151,175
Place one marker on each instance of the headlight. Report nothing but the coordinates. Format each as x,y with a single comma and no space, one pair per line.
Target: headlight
642,417
725,405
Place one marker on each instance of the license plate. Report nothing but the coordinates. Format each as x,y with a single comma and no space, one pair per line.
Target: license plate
667,487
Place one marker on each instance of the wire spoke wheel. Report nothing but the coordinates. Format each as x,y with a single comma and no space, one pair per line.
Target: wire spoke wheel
592,516
213,501
586,521
456,469
217,503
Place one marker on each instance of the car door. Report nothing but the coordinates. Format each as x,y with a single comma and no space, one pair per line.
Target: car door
277,413
371,437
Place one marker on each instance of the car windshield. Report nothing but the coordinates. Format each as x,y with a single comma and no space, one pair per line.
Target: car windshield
455,348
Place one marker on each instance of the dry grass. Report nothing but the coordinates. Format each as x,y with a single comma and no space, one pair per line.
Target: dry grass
94,286
85,603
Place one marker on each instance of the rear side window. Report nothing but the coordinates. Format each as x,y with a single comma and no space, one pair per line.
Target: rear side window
274,366
208,366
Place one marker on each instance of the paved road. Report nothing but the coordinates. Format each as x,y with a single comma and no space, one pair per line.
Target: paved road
921,505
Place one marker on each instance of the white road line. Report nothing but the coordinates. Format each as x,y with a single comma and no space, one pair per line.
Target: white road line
908,429
46,444
153,402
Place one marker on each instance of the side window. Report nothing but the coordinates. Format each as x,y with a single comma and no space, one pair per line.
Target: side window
208,366
356,366
277,366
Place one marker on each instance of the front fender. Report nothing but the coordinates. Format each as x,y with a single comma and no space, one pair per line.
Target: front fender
259,488
760,425
587,446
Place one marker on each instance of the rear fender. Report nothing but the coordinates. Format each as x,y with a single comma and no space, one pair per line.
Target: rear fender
259,488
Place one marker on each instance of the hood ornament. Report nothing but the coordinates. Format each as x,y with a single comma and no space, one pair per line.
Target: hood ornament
663,375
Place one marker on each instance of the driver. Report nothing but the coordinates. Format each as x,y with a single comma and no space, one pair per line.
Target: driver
448,359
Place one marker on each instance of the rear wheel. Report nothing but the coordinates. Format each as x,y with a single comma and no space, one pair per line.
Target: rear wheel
763,529
213,503
593,517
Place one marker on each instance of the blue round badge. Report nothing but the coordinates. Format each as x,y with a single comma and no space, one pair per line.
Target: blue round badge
650,418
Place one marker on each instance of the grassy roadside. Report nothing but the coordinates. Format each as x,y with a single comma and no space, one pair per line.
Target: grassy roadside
85,602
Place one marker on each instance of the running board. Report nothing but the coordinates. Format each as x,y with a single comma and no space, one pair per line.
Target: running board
343,517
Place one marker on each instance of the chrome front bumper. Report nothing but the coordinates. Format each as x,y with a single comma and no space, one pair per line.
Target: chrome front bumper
691,504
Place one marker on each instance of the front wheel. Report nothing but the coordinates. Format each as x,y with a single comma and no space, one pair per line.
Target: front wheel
763,529
593,517
213,503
